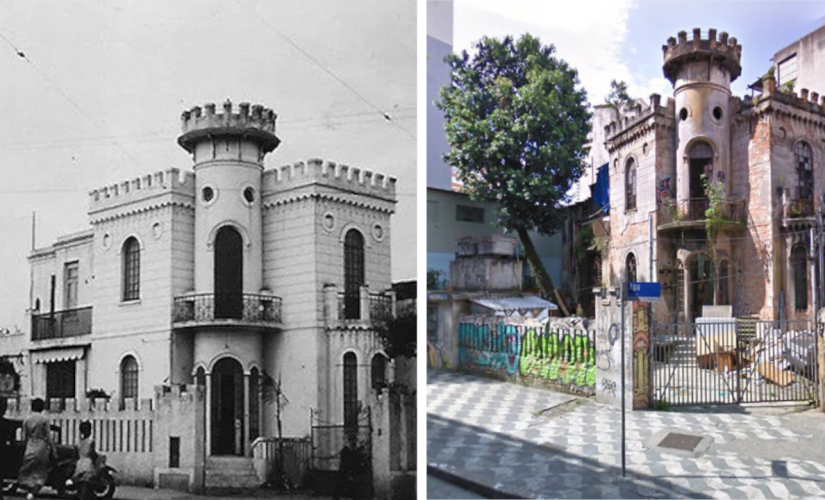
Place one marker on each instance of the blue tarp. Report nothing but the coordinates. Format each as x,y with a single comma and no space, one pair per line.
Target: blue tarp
601,190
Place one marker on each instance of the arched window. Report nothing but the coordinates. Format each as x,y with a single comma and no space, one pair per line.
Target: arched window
254,412
379,371
228,273
799,265
350,390
353,273
630,267
131,269
700,168
630,185
200,377
804,169
128,378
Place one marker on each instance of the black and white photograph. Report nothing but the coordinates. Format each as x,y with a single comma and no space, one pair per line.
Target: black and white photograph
208,235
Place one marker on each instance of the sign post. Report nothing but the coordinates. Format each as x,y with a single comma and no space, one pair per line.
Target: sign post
633,291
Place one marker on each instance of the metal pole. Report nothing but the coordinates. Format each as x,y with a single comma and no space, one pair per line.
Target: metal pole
622,302
811,255
817,334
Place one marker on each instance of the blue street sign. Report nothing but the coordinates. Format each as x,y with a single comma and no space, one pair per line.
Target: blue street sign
644,292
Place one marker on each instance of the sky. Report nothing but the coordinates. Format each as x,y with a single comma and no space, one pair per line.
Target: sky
622,39
98,96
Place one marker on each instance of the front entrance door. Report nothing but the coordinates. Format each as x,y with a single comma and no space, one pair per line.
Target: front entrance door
228,274
227,408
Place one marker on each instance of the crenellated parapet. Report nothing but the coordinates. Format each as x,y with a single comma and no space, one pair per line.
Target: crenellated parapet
248,121
142,188
330,174
638,121
723,51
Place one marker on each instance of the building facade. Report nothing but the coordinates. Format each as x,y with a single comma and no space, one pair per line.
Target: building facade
224,276
715,196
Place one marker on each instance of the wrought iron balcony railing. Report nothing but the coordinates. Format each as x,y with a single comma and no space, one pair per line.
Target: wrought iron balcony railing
695,211
243,308
351,308
799,208
62,324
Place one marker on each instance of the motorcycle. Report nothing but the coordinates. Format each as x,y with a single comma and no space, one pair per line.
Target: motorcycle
60,472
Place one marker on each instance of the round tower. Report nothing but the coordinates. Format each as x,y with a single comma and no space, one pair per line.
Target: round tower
701,71
228,150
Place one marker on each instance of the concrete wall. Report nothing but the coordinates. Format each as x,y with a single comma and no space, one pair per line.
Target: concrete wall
52,260
439,45
810,57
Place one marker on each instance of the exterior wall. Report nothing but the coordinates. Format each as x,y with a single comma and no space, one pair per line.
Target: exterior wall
439,45
50,261
810,56
443,232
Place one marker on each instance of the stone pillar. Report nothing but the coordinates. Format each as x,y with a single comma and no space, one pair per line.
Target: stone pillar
365,304
208,410
640,349
247,445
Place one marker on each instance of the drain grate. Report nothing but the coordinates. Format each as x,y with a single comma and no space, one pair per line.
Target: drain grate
678,441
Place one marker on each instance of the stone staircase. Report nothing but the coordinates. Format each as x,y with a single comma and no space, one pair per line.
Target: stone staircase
230,473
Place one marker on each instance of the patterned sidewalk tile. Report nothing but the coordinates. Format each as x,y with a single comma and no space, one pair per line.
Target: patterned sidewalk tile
493,433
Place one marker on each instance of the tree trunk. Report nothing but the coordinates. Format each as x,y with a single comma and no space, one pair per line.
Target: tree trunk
537,266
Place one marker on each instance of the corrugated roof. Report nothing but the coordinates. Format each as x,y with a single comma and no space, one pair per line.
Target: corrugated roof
514,303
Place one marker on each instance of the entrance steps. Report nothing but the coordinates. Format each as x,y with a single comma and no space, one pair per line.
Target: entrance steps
230,473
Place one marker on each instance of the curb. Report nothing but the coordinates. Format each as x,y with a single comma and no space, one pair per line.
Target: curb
468,484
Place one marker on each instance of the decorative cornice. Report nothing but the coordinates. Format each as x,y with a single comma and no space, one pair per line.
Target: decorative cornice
141,209
338,198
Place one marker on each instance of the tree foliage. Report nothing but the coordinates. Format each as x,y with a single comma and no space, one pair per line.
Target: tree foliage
517,125
618,99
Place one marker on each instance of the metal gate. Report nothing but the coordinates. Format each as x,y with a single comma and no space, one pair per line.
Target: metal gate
328,441
732,361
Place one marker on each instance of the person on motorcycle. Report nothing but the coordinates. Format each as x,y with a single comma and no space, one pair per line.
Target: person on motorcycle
86,469
39,450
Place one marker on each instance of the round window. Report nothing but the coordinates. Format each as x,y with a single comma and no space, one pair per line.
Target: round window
683,114
208,194
249,195
717,113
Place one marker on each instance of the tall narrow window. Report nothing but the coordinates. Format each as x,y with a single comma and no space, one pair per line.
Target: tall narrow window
379,371
350,391
131,269
630,185
680,291
724,286
70,279
353,273
630,267
254,412
128,378
799,264
804,169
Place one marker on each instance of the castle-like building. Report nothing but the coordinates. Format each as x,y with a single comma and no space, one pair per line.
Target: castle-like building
730,184
217,277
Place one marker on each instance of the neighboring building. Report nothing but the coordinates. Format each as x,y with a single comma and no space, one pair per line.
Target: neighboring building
763,154
802,62
216,277
439,45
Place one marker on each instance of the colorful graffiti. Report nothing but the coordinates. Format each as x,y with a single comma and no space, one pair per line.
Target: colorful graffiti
663,191
545,354
436,357
641,357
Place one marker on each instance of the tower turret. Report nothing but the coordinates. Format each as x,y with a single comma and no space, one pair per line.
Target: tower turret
701,71
228,150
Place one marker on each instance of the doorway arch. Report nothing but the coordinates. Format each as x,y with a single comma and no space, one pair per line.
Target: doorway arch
227,407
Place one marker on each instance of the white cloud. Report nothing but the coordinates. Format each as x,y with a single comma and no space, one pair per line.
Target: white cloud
589,34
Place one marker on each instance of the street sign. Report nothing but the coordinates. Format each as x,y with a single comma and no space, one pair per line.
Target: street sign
643,292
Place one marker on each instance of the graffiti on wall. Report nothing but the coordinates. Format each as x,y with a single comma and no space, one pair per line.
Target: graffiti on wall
663,191
641,358
436,357
542,354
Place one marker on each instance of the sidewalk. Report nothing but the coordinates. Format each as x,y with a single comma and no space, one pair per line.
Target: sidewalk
499,438
136,493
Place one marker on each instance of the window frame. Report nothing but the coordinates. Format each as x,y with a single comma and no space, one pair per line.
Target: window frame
630,185
71,284
129,378
804,159
131,269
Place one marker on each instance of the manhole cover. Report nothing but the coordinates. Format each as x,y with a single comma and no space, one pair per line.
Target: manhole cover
678,441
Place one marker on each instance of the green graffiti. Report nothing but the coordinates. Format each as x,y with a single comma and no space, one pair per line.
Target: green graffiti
590,378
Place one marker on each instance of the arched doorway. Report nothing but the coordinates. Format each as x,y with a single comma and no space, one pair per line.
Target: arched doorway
228,273
227,408
702,285
701,164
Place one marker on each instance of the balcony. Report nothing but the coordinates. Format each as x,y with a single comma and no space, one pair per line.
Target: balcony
62,324
797,211
692,214
362,308
204,309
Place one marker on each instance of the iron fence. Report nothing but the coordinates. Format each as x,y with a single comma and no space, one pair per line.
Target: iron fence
731,361
60,324
208,307
297,455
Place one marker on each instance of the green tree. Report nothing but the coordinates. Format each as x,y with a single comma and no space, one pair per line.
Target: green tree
618,99
517,125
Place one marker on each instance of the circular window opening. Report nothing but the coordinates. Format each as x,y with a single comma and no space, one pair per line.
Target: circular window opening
717,113
208,194
683,114
249,195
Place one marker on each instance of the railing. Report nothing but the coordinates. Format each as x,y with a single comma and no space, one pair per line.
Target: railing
364,306
799,208
210,307
62,324
693,210
297,455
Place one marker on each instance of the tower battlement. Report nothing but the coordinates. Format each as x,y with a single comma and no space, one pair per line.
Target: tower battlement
332,174
250,121
723,51
140,188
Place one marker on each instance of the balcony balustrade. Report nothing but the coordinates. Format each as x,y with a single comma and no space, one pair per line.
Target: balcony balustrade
62,324
693,213
208,308
362,307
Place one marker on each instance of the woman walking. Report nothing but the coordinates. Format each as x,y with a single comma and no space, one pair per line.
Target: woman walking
39,449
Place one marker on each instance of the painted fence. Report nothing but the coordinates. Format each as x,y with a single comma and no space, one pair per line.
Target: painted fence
548,354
